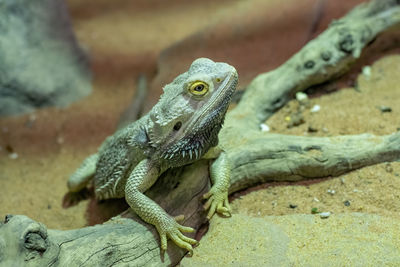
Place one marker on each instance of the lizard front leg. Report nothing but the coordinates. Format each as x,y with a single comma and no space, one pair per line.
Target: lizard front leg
142,178
220,173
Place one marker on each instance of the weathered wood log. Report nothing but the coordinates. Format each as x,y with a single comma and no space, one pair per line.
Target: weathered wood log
274,157
256,157
123,241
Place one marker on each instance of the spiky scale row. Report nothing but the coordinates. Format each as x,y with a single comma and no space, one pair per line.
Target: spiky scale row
193,149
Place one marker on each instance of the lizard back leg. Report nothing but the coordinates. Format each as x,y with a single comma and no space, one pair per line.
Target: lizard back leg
80,178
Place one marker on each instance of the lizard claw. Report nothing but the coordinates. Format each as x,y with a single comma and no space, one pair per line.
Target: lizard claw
217,202
169,228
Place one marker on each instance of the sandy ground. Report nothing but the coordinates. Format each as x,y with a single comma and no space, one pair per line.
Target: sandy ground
374,189
40,150
122,39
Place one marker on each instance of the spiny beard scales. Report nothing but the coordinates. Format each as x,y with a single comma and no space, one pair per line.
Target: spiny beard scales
195,145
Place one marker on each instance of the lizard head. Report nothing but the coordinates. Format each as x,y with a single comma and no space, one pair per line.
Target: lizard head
185,123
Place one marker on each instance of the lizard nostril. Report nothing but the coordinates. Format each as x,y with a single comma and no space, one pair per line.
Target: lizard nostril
177,126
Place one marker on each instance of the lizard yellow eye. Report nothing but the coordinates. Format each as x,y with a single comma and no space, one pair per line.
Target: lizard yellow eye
198,88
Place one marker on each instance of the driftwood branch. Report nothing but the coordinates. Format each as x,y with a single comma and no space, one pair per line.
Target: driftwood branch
322,59
256,157
274,157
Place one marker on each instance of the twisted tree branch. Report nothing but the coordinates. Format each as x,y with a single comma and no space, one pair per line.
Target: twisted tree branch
275,157
324,58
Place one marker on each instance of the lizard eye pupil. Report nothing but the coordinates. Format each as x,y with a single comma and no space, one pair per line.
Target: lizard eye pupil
177,126
199,88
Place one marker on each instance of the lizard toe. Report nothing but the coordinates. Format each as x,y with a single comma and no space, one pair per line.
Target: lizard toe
169,228
217,202
182,241
163,239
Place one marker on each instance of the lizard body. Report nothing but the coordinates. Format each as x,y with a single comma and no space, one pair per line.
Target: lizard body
181,128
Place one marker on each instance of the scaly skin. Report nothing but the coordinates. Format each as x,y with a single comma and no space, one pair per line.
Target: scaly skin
181,128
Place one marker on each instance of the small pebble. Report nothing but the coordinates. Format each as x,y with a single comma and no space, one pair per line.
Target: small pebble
9,149
385,109
302,97
292,206
32,117
295,120
342,180
31,120
60,140
331,191
314,210
316,199
366,71
312,129
315,108
346,203
264,127
325,215
325,130
13,155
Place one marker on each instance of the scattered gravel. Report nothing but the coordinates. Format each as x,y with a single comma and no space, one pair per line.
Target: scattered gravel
331,191
264,127
302,97
312,129
315,108
366,71
325,215
385,109
13,155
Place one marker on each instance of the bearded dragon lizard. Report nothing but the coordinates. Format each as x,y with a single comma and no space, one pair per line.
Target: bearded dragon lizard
181,128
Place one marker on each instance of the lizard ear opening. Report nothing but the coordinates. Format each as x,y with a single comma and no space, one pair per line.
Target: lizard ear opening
177,126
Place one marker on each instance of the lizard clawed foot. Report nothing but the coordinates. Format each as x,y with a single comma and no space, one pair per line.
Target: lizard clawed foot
217,202
170,228
73,198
